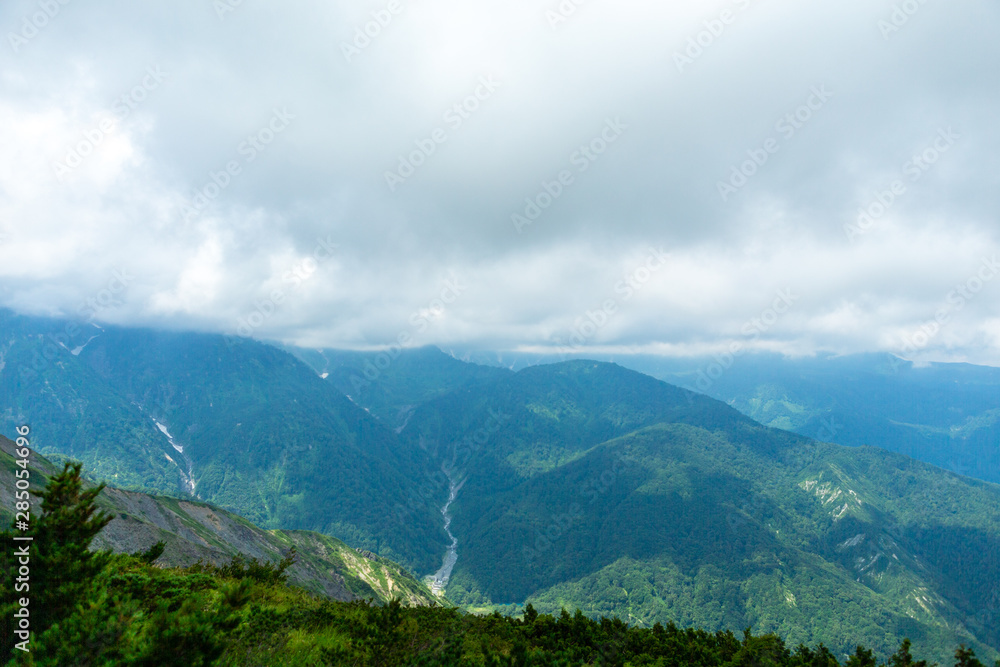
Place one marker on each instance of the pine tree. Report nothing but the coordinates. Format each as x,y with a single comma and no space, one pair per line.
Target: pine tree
862,658
966,657
63,565
60,561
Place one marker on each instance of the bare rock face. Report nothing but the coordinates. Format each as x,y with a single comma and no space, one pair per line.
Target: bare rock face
194,531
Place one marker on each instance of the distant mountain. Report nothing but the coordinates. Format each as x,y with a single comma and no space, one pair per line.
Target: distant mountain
392,384
195,531
945,414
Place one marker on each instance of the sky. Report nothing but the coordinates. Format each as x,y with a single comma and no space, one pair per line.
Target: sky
678,178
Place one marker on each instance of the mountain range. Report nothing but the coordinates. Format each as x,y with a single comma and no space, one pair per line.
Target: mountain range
947,414
579,484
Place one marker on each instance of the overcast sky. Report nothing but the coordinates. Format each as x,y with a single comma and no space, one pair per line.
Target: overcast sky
698,170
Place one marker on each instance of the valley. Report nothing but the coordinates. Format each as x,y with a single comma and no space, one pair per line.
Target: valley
578,485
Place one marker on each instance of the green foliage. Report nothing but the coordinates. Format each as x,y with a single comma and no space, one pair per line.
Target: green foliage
121,610
241,567
862,658
665,506
151,554
903,658
60,562
966,657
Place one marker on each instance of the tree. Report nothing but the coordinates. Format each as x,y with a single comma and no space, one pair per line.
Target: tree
966,657
903,658
862,658
63,563
59,557
821,657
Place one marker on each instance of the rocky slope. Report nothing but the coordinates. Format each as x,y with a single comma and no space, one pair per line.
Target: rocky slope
196,531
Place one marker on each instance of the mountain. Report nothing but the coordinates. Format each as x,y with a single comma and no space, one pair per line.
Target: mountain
584,484
947,414
233,422
578,484
392,384
194,531
73,411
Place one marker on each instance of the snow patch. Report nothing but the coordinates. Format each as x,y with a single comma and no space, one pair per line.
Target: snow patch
854,541
186,477
170,438
78,349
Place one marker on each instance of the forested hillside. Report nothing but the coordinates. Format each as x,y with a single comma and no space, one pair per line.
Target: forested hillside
233,422
942,413
578,485
604,489
101,608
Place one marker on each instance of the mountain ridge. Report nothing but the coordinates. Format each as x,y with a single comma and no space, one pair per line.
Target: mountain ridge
582,484
194,531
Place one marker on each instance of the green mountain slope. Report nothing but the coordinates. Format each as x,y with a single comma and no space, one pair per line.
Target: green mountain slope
267,437
607,490
392,384
76,414
947,414
194,531
579,484
237,423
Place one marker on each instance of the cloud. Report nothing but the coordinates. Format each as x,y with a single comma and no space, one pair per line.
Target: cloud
189,187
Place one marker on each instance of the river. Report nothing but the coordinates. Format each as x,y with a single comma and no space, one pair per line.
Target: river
439,581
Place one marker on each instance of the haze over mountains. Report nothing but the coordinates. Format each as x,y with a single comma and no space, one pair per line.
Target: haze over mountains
947,414
577,484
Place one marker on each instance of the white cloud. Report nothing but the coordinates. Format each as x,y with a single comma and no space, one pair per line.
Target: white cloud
323,176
